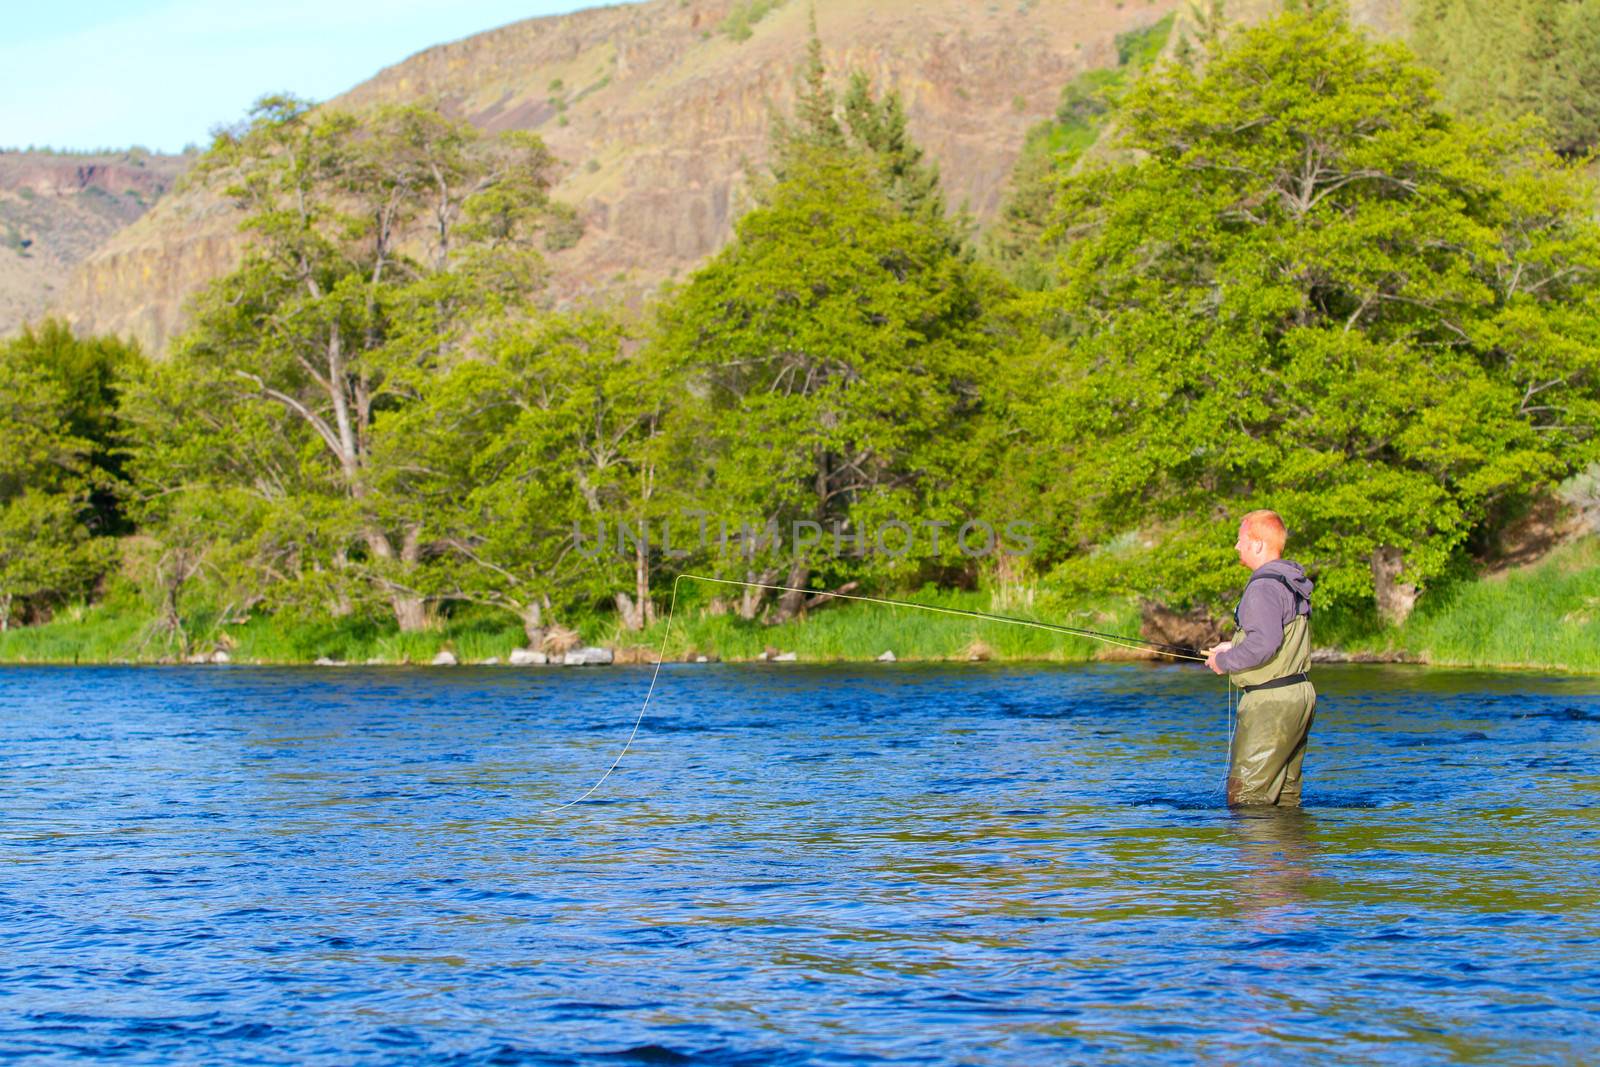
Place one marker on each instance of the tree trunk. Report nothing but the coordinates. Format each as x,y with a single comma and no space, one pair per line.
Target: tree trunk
638,611
410,610
5,612
751,599
627,611
1395,598
174,570
533,624
789,603
339,606
641,587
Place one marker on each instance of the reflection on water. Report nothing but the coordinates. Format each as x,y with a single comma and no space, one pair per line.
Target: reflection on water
973,864
1276,853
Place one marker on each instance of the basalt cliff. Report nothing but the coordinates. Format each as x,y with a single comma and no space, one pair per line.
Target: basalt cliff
57,208
660,113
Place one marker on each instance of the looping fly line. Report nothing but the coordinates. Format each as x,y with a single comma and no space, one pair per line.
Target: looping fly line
1174,651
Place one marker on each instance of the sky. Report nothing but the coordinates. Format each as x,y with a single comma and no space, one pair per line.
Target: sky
86,74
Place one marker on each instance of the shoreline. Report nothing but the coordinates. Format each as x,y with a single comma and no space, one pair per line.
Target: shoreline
1326,657
1543,616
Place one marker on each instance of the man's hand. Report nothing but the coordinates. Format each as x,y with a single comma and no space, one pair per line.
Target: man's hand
1213,652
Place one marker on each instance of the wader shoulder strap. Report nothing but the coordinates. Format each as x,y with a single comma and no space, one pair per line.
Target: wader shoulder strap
1298,596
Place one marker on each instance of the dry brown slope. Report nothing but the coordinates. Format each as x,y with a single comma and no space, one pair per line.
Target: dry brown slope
660,120
57,208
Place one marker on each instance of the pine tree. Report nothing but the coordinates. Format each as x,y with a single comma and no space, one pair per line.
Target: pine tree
1502,59
816,124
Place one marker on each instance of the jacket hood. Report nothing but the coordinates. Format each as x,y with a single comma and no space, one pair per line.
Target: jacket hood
1288,569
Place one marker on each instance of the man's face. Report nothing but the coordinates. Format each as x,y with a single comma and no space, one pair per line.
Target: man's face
1247,547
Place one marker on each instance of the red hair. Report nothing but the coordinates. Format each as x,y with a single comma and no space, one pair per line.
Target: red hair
1266,527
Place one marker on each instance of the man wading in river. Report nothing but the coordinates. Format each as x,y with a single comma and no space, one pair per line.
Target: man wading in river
1267,659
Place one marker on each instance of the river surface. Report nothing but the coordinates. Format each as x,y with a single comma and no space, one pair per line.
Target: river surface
793,864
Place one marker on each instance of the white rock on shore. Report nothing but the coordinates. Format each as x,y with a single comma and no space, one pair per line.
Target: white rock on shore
527,657
588,656
445,659
887,657
785,657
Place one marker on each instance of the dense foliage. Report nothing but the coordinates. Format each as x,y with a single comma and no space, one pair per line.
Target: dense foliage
382,249
1507,58
1313,289
59,470
1294,280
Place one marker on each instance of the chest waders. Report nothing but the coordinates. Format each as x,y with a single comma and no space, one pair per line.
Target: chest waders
1276,707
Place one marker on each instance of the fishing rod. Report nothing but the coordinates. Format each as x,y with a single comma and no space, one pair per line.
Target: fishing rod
1174,651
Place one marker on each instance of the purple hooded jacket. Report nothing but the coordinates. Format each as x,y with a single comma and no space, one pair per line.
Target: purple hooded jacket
1264,610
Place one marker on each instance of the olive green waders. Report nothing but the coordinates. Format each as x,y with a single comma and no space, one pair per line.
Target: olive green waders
1269,742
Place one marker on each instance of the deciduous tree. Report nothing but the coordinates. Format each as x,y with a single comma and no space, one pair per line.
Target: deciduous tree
1313,289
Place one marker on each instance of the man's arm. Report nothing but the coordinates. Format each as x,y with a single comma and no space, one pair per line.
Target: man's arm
1261,619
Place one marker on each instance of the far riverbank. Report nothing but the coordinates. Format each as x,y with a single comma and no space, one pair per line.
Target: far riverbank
1545,616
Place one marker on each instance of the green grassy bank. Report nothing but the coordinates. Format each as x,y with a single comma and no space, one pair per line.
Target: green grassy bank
1543,616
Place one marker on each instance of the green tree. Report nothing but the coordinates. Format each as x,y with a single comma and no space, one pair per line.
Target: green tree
816,121
1569,88
555,436
878,128
225,501
1502,59
865,123
381,246
90,372
48,549
1052,147
835,356
1312,289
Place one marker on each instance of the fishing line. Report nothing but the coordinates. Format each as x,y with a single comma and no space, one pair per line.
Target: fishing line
1138,643
1232,718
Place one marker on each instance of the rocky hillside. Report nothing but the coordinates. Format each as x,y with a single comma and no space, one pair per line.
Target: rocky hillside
660,112
55,209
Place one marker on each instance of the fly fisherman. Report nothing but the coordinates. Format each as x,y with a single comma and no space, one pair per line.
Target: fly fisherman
1267,659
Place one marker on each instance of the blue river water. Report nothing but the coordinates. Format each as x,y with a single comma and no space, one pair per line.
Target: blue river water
793,864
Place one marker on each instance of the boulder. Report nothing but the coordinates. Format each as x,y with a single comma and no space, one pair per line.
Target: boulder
220,656
492,661
701,659
527,657
588,656
1193,629
324,661
785,657
887,657
446,658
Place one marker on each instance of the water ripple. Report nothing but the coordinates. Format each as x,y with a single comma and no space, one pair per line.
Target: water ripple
979,864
